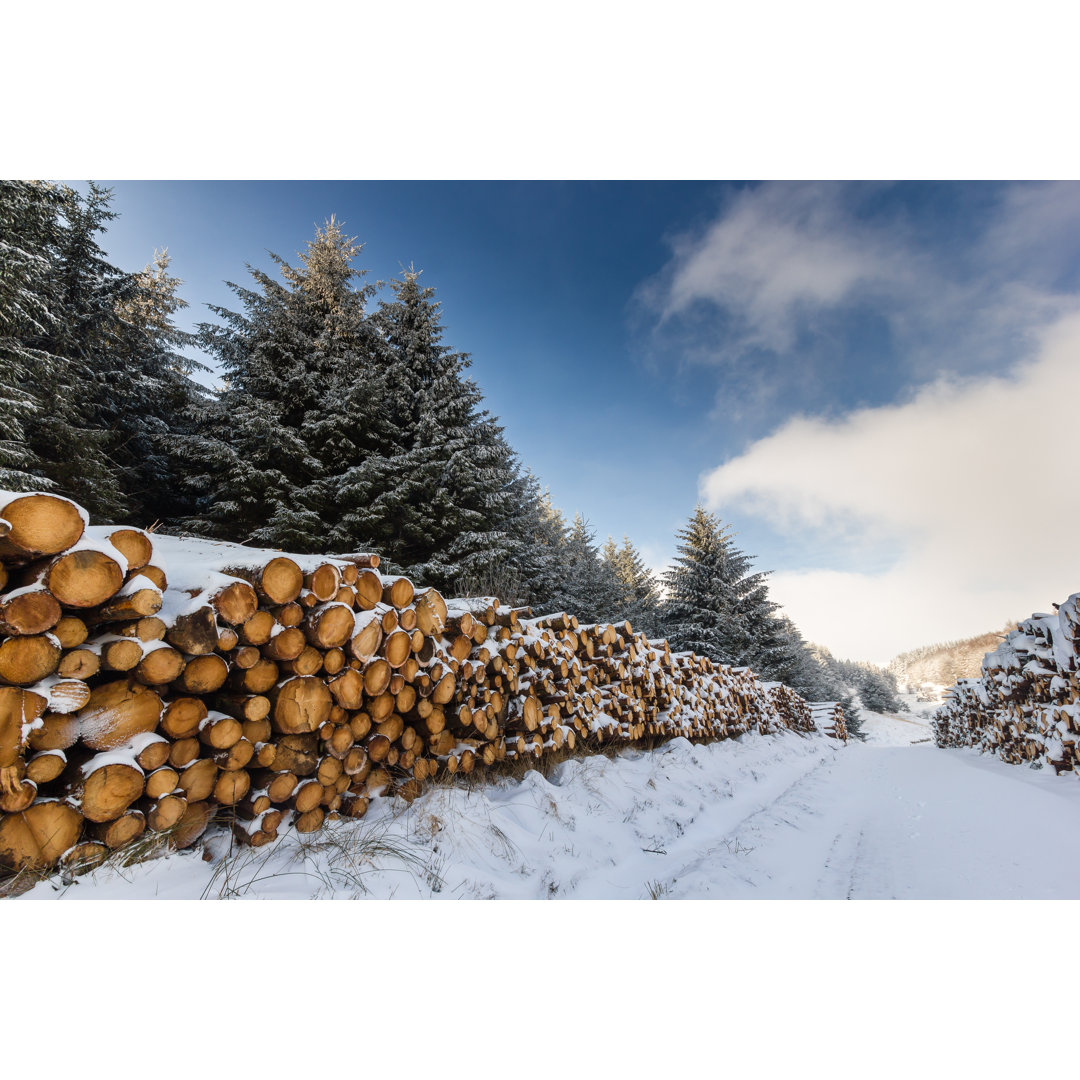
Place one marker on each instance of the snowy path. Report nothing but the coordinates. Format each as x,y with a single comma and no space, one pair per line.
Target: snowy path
778,817
891,820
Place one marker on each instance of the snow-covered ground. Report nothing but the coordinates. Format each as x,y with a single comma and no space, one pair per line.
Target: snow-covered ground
784,816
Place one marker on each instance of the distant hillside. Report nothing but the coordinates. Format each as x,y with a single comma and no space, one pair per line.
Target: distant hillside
944,663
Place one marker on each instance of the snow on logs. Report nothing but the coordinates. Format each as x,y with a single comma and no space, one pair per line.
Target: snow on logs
1025,706
150,684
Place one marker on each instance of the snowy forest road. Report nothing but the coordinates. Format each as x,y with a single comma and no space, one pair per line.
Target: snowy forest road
889,819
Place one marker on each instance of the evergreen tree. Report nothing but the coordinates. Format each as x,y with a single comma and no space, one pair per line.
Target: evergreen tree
153,395
639,597
71,433
29,238
299,407
92,377
715,606
540,535
455,503
588,586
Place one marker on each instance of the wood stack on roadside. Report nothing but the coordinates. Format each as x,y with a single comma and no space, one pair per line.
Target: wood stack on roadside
1025,707
149,684
828,716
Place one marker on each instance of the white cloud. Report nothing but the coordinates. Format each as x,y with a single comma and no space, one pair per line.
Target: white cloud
785,263
778,252
975,479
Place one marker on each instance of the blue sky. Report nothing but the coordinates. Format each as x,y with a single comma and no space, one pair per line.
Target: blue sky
649,344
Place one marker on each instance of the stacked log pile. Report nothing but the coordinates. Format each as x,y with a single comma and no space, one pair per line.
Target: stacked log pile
1025,706
149,684
828,716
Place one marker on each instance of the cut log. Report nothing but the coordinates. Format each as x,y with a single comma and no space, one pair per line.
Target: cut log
289,614
16,791
181,717
312,821
37,837
83,578
70,631
38,525
160,665
278,582
135,545
348,689
147,628
257,629
46,766
367,636
297,754
156,576
287,643
183,752
231,787
203,675
162,782
192,825
257,679
27,660
219,731
57,732
165,812
235,603
324,581
118,654
19,713
107,790
83,856
198,779
245,707
377,677
300,705
369,589
237,756
278,786
28,611
330,626
396,648
79,664
139,598
397,592
127,827
116,712
309,662
195,632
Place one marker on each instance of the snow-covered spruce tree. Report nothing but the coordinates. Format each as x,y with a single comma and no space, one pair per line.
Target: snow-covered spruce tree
29,238
149,413
639,599
875,686
71,434
299,408
715,606
455,507
839,688
93,378
588,586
